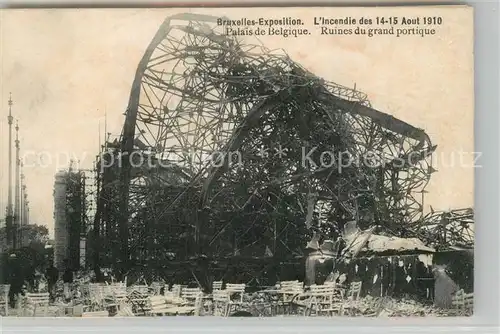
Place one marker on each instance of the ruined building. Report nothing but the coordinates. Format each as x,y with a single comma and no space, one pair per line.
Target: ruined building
232,155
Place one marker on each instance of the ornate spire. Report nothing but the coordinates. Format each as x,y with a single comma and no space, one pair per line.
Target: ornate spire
10,118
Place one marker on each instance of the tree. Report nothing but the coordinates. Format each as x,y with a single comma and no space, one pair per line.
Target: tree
34,236
32,254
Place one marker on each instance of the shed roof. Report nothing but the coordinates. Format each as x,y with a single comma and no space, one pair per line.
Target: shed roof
363,242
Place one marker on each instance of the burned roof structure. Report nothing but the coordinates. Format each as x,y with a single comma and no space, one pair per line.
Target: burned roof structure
230,148
447,230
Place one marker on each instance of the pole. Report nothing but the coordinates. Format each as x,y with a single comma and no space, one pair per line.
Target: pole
17,199
105,130
21,204
9,218
21,213
25,207
26,220
24,198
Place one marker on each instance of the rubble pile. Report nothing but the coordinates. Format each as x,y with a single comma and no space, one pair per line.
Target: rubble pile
390,307
262,304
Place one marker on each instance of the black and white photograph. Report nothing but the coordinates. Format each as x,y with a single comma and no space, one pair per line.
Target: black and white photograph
237,162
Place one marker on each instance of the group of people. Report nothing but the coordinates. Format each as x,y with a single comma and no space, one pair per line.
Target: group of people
21,281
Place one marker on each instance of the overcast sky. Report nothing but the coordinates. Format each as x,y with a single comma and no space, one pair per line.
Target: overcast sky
66,68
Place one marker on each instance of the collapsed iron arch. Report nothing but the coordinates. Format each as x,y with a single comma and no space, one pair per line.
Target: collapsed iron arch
198,93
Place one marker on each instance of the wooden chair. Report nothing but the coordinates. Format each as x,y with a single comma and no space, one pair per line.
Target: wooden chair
36,301
4,299
469,303
463,303
193,297
177,289
190,294
351,300
207,301
221,303
156,288
140,302
236,289
96,296
158,305
321,300
119,292
142,289
236,294
217,285
286,292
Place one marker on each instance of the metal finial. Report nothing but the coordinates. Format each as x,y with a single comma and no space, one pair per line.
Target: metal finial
10,118
17,135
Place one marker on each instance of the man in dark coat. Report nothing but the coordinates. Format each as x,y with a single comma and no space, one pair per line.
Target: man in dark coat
67,279
30,278
52,275
16,279
68,275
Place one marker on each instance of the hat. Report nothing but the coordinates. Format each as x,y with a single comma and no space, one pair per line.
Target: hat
13,256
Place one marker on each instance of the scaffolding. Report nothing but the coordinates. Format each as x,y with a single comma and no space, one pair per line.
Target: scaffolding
61,251
72,200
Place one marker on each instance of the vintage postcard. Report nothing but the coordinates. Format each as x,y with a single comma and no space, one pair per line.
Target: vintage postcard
237,162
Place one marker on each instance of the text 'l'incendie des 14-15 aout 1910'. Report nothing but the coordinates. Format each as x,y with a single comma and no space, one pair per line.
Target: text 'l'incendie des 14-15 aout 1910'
294,27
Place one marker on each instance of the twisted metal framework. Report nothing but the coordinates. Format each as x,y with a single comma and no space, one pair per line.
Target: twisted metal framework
229,148
447,228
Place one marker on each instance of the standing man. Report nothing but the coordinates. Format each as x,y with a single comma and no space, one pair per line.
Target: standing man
52,275
30,278
67,279
16,279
